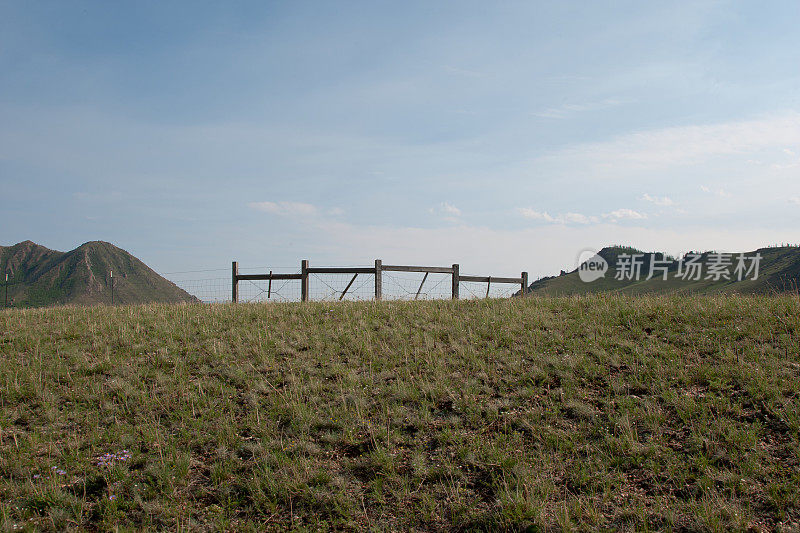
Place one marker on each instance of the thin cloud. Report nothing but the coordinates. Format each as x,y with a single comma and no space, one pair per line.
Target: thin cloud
579,218
485,250
566,110
621,214
451,209
284,208
794,200
446,208
565,218
722,193
662,201
532,214
682,145
793,163
784,166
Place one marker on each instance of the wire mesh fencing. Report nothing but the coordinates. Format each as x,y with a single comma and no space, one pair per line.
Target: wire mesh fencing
208,287
353,283
335,287
416,286
287,290
263,291
475,289
209,290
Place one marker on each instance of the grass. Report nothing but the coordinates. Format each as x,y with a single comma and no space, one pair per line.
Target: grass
594,412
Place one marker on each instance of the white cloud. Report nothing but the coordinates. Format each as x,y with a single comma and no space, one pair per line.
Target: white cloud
566,218
284,208
621,214
683,145
487,251
451,209
662,201
447,209
784,166
722,193
527,212
794,161
579,218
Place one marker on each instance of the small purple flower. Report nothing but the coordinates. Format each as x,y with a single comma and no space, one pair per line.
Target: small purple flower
108,459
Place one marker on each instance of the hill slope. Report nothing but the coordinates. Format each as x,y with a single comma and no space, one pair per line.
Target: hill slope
39,276
779,271
592,413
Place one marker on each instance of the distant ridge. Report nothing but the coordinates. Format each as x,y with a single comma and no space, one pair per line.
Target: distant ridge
39,276
779,271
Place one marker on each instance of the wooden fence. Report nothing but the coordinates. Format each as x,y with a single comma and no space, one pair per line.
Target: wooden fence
377,270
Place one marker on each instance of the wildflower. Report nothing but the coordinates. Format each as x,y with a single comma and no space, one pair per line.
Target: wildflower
108,459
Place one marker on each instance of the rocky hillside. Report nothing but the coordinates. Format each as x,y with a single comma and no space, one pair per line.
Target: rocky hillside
38,276
778,271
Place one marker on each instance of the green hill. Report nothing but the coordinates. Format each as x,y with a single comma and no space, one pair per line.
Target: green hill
779,271
38,276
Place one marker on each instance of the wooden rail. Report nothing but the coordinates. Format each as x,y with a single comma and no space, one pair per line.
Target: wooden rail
430,270
377,271
269,276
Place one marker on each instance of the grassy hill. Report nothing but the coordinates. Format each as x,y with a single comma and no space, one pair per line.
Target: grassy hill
779,271
39,276
592,412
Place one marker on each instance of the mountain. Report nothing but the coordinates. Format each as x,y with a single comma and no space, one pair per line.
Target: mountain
778,271
38,276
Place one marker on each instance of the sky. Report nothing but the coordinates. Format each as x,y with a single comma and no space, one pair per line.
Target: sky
503,136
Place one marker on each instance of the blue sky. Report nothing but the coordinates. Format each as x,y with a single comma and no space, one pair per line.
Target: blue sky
503,136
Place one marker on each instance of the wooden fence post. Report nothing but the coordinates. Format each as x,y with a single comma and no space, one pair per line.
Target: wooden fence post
235,282
455,281
378,280
524,284
304,280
